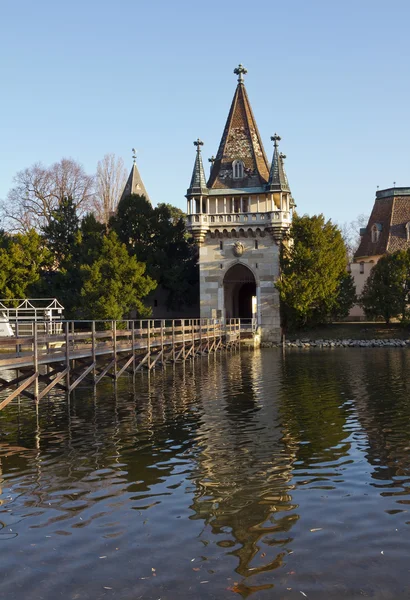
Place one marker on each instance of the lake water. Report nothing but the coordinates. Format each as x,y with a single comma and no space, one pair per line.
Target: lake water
249,474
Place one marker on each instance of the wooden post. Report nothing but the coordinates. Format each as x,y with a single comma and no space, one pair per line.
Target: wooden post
114,333
17,335
67,354
183,338
162,342
36,363
133,346
149,344
200,336
207,336
94,358
173,340
193,337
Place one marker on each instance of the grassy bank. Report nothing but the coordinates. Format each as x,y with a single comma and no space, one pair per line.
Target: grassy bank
353,331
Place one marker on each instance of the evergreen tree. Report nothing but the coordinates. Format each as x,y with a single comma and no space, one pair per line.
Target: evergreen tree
313,266
157,237
60,233
114,283
386,292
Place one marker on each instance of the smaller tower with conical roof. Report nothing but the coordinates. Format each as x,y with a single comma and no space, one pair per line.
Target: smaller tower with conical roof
134,184
238,218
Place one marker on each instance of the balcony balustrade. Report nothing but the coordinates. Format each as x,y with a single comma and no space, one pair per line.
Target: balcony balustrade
266,219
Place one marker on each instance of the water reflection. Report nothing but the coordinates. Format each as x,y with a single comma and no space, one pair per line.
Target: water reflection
250,473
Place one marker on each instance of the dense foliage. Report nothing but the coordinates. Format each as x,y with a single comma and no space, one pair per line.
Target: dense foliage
23,257
158,237
314,286
387,289
102,271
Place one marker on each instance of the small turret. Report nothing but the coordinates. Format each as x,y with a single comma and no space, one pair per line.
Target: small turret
278,182
198,179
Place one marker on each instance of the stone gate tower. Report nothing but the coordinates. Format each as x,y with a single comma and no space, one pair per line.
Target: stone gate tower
238,218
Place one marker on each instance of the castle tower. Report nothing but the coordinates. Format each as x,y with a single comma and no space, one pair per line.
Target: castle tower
238,219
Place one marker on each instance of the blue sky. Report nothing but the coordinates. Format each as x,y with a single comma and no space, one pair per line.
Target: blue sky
81,79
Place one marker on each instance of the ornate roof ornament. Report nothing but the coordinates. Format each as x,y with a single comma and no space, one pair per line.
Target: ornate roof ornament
240,71
134,155
198,143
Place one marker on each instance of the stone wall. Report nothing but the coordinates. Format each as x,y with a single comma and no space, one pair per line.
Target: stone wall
263,262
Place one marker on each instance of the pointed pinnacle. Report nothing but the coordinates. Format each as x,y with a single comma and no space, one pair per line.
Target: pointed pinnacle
240,71
275,139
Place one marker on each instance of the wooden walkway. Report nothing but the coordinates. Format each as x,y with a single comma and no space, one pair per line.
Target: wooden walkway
89,350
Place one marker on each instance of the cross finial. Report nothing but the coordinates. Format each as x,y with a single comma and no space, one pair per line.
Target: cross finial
240,71
198,143
275,139
212,159
394,184
134,155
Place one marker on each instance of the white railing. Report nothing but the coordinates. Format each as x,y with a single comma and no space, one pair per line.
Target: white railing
234,219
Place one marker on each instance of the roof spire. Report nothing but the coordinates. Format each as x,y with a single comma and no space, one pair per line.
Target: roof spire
240,140
277,177
134,183
198,181
240,71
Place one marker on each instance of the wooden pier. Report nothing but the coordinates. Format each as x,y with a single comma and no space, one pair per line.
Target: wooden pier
76,351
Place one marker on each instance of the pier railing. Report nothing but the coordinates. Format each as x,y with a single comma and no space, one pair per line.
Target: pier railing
93,349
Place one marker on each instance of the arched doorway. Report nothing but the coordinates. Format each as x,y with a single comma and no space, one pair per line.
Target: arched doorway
239,289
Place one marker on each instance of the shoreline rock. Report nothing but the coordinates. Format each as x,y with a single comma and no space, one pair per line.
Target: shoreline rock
345,343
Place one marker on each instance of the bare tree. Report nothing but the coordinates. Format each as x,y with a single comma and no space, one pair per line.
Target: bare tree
351,234
110,182
38,191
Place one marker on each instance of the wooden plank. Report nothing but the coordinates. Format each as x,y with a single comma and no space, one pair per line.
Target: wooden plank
127,364
6,384
156,359
144,360
81,377
19,390
52,384
104,371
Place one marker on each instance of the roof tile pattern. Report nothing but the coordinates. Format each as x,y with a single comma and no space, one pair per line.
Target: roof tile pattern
277,176
393,214
198,179
240,141
135,184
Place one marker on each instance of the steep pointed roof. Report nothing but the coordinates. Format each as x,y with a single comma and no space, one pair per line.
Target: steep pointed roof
198,180
278,182
135,184
240,141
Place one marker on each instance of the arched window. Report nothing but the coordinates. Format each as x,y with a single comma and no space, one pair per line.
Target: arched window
237,169
375,231
408,231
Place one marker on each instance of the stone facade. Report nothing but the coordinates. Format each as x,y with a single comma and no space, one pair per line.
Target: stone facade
263,263
238,218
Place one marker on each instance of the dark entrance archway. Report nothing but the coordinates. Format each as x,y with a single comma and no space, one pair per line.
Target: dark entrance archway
239,288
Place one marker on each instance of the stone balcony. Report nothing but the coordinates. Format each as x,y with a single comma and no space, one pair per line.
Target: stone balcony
277,218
